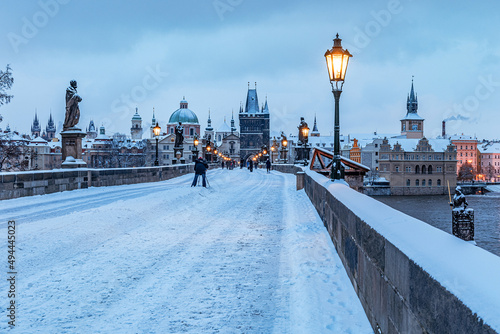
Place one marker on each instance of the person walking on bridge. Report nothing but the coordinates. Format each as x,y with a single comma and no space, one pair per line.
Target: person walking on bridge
250,166
200,168
268,165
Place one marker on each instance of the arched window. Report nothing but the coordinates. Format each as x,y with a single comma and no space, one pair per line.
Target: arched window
439,182
219,138
429,169
171,130
423,183
430,183
423,169
417,182
408,182
417,170
191,132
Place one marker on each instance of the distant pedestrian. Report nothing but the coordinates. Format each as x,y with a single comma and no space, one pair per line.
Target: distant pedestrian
250,166
200,168
242,162
222,164
268,166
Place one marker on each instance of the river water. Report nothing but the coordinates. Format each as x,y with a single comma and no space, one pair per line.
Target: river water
436,211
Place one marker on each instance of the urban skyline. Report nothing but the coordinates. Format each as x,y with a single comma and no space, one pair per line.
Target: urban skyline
151,56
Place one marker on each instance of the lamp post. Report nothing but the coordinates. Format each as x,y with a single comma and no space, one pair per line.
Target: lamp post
336,61
156,131
208,149
195,148
305,136
284,143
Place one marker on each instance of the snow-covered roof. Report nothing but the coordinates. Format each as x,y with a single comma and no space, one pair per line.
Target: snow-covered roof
412,116
38,141
462,137
493,148
224,128
410,144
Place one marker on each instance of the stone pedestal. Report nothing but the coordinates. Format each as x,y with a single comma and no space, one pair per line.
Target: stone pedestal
178,154
463,223
72,148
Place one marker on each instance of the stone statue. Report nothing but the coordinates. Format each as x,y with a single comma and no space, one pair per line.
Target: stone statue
72,109
179,135
459,202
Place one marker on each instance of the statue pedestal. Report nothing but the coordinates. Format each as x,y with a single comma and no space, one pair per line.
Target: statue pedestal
178,154
463,223
72,148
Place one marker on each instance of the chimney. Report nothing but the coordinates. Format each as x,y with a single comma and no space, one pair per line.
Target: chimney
443,132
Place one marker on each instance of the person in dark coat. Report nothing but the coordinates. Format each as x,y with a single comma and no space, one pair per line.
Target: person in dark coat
200,168
222,164
251,165
268,165
241,163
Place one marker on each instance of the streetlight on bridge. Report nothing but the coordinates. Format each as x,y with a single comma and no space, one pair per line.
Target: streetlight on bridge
336,61
156,131
195,148
284,144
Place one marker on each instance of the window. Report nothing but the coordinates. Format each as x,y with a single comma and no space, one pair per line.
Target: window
219,138
397,169
164,147
417,169
191,132
417,182
439,169
439,182
424,169
408,182
429,170
171,130
423,183
430,183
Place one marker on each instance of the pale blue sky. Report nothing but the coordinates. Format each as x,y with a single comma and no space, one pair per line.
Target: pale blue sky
152,53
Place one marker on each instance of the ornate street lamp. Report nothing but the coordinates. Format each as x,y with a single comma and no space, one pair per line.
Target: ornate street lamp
284,144
156,131
336,61
195,148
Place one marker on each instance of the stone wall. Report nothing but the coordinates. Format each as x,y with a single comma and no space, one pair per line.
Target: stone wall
397,294
286,168
31,183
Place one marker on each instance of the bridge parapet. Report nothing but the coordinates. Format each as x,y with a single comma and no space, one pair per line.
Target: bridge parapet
31,183
409,276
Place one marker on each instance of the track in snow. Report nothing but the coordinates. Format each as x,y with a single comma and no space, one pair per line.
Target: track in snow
247,255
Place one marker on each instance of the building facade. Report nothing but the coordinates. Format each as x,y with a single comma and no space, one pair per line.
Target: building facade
418,166
467,151
490,162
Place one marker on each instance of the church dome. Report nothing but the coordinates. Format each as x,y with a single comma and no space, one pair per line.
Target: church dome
184,115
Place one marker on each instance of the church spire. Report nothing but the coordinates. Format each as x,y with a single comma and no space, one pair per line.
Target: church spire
315,132
209,123
36,128
233,128
411,100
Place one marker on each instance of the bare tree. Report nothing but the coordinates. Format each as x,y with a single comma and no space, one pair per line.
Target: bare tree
466,172
12,153
6,81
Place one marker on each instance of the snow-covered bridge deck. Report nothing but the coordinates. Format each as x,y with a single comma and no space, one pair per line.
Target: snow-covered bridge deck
247,255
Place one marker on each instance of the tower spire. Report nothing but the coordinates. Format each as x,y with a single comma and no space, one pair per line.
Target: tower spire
209,122
411,100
